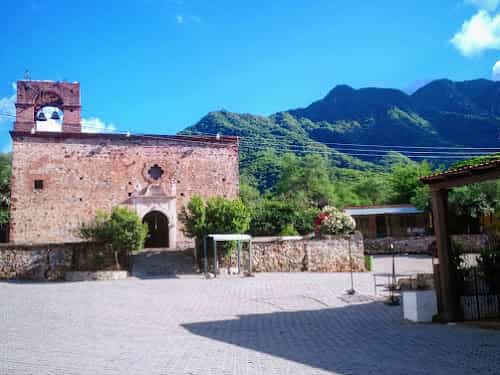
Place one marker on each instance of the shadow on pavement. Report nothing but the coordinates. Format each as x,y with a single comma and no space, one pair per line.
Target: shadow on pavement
360,339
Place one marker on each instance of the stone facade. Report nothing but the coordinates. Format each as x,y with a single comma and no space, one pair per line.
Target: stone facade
329,254
472,243
51,261
61,179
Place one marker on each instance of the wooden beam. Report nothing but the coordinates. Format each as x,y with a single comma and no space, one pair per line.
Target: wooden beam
447,287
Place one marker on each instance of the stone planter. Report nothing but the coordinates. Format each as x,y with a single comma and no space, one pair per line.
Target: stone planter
419,305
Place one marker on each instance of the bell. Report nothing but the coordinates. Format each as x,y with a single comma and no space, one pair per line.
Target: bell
55,116
41,116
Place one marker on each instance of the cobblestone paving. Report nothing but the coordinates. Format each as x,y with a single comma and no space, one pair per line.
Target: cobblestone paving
269,324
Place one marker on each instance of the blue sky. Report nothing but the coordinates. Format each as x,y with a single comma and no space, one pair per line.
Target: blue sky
158,66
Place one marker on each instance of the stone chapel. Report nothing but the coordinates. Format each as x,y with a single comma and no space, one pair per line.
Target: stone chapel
61,176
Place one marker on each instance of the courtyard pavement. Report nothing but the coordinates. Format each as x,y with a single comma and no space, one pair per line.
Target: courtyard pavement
299,323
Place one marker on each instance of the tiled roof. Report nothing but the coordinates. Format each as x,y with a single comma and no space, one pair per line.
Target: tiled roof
461,171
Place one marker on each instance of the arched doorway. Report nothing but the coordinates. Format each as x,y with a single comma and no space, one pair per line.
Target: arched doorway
158,229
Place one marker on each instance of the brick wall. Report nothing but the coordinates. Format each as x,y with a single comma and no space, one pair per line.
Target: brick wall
85,173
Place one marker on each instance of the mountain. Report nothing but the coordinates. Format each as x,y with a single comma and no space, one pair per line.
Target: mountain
441,113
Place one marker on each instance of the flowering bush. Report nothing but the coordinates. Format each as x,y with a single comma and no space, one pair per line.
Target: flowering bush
334,221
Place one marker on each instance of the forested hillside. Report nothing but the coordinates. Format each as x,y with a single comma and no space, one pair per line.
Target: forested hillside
441,114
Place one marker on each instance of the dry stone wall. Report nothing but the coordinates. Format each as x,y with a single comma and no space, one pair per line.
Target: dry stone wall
472,243
328,254
52,261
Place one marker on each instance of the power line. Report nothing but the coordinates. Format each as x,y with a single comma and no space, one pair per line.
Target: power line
320,147
364,145
284,148
393,146
368,153
313,143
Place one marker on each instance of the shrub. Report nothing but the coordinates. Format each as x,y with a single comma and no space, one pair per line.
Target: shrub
489,262
334,221
289,230
226,216
193,216
271,216
368,262
122,230
215,216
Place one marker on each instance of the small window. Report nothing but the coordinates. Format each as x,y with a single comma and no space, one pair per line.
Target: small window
38,184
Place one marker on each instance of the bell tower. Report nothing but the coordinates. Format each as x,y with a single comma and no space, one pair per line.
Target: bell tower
34,96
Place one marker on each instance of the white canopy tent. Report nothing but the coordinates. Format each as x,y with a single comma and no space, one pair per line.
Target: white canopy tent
239,238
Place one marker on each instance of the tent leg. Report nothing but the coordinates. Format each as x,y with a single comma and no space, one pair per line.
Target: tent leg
250,257
215,259
239,261
205,255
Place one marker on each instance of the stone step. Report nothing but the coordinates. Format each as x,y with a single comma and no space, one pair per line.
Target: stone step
158,262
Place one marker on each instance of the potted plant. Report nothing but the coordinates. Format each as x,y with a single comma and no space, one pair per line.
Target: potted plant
332,221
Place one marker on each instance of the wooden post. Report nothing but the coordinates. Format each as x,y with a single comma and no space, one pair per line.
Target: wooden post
447,290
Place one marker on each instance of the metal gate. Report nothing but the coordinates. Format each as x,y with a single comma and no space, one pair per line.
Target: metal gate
480,293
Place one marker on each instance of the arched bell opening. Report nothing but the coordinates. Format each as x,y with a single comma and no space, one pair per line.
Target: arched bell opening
49,119
158,229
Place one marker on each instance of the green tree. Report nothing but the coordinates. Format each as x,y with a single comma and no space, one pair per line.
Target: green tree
372,189
193,216
274,214
405,183
476,199
122,230
215,216
249,193
5,173
393,158
263,170
226,216
309,174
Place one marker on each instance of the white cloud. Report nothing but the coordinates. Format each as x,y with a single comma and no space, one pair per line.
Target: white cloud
495,72
490,5
96,125
8,107
179,18
480,33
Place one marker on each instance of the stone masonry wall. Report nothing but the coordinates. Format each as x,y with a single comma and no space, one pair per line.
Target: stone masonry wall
85,173
51,261
472,243
330,254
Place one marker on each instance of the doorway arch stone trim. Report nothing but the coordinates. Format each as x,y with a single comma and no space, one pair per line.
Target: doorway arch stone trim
167,208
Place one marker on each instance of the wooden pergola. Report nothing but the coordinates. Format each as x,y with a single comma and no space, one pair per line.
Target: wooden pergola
439,185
